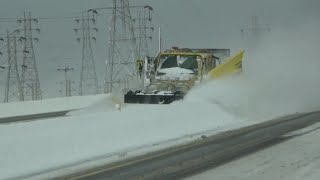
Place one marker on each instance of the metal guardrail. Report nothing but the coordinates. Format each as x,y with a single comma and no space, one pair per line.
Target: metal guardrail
31,117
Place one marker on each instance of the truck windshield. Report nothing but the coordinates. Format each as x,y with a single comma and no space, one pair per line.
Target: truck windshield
182,61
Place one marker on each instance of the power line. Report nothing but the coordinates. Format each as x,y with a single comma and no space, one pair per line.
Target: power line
65,17
14,20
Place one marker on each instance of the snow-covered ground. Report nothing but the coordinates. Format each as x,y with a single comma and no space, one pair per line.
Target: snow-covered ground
49,105
41,145
295,159
99,131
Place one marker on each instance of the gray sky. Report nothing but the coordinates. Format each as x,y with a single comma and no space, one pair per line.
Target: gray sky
185,23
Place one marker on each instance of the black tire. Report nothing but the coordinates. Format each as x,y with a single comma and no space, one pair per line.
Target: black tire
130,93
178,95
137,91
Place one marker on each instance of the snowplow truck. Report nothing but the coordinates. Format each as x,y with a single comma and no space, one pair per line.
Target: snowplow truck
170,75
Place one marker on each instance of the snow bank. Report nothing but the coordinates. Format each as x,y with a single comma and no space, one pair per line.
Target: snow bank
41,145
104,104
49,105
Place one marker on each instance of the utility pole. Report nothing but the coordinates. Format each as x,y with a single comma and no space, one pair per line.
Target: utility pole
13,91
67,80
30,78
1,63
160,40
1,53
2,66
88,75
123,49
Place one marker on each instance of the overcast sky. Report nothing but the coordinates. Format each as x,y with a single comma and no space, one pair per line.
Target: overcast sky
185,23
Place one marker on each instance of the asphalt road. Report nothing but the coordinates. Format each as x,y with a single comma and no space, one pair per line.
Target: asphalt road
182,161
32,117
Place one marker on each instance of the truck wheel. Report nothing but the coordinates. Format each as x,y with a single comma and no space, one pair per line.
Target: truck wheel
178,95
130,93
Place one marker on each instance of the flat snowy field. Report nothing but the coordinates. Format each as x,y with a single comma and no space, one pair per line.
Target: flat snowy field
98,133
99,130
42,145
295,159
283,78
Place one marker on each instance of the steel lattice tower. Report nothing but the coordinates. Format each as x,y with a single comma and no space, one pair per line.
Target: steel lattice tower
30,79
143,25
88,75
123,50
255,29
13,91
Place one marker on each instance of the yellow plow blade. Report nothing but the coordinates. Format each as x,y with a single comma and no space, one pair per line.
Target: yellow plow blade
231,65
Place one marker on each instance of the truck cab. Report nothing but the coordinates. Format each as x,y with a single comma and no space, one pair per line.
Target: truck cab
170,75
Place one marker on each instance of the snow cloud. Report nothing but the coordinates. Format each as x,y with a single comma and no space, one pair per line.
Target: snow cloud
281,76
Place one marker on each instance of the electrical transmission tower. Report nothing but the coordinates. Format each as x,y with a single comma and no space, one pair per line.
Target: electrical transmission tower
67,80
13,91
255,29
144,24
123,49
88,75
30,79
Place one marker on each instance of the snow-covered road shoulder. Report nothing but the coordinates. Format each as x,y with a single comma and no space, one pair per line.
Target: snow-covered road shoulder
295,159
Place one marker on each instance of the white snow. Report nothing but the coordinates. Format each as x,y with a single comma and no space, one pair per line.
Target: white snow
176,70
295,159
100,130
176,73
49,105
40,145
